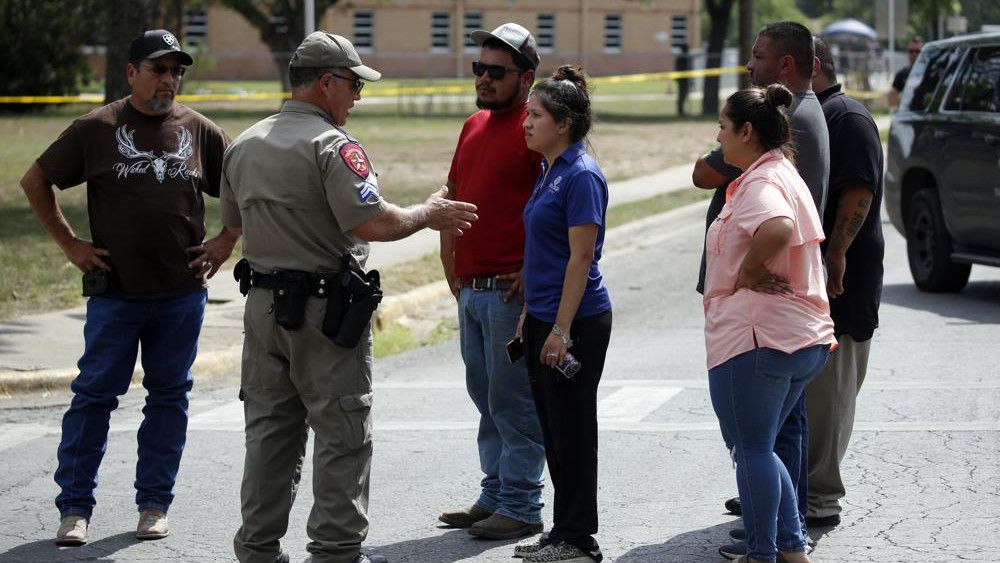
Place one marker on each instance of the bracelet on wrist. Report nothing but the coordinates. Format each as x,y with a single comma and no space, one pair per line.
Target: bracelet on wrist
562,335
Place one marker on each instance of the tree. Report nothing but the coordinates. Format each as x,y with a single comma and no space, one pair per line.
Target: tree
43,41
131,17
719,12
280,24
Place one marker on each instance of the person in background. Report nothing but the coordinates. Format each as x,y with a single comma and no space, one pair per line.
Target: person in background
566,322
853,252
899,81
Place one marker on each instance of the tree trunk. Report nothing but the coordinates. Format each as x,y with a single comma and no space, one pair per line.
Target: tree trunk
131,17
746,37
719,11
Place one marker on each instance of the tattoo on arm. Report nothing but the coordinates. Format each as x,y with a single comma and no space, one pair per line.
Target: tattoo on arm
849,222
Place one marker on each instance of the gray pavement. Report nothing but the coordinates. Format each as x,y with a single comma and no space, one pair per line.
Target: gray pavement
42,350
922,472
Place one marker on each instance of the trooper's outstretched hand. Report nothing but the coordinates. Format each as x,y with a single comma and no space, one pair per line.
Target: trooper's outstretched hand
448,215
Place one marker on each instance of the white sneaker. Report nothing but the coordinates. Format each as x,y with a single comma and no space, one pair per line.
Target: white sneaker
153,525
72,531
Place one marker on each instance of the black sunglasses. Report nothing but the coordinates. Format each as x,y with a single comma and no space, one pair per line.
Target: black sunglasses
496,72
356,85
160,69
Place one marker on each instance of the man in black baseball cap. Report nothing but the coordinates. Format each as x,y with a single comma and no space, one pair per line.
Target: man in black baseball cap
155,43
148,165
156,65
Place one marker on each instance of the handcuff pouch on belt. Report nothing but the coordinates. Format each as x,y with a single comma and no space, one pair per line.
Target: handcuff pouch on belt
352,296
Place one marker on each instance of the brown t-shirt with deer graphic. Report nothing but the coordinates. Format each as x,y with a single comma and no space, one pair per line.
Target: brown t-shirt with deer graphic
145,178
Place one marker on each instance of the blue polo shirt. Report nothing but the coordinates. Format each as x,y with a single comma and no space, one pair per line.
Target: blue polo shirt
573,193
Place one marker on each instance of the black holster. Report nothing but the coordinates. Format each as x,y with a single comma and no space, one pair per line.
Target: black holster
351,303
242,274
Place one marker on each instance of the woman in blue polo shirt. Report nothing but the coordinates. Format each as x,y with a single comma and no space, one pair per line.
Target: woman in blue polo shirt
566,322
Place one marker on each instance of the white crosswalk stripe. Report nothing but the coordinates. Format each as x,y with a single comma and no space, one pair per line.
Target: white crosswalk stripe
627,408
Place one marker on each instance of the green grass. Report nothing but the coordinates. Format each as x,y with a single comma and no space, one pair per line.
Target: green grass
411,151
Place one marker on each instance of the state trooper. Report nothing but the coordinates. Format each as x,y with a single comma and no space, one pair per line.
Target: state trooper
307,200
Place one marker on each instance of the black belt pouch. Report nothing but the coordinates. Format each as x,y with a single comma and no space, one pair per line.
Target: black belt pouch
290,300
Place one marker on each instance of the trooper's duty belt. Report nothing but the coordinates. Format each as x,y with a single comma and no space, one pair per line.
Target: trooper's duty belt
352,296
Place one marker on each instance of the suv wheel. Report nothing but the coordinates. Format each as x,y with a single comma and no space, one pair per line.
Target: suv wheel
929,246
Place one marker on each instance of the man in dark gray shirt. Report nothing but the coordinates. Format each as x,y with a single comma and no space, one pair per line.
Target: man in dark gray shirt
783,53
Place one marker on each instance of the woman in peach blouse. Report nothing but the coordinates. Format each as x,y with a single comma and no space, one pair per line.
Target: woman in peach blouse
767,318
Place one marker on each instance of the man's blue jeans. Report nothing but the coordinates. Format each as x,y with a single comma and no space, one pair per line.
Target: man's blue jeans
511,450
753,394
168,330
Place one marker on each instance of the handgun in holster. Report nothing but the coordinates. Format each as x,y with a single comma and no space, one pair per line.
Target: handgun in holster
351,304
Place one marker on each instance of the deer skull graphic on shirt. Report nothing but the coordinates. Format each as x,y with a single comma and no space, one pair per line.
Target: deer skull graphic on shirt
126,146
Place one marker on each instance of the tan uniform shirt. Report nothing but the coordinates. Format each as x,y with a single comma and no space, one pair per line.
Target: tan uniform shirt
297,185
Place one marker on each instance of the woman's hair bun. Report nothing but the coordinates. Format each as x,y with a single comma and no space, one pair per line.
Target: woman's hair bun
572,73
778,96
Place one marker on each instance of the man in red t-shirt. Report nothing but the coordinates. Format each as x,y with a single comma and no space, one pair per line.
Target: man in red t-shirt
494,169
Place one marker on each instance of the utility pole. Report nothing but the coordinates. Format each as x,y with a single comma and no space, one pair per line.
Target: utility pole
746,38
310,16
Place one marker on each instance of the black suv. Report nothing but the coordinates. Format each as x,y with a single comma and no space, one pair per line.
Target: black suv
942,185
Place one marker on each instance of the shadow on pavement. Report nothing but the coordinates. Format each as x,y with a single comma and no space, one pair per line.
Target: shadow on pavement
690,547
454,545
46,550
978,303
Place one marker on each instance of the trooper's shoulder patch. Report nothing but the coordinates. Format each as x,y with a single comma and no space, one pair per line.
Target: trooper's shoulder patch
356,159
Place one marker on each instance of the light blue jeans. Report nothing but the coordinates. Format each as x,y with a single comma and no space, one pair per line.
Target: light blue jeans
753,394
511,450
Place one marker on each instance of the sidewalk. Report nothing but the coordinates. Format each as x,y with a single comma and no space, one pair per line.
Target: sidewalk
41,351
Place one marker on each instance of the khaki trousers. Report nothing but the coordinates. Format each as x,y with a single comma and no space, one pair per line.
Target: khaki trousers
830,402
293,380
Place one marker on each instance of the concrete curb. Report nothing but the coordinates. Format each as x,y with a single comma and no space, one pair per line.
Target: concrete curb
214,363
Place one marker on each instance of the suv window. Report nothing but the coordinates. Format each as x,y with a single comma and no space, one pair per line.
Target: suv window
976,91
927,74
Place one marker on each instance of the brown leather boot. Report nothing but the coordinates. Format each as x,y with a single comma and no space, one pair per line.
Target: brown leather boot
499,527
465,517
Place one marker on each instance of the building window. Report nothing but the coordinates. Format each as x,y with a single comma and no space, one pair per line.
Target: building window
441,32
364,27
613,33
546,33
196,27
678,31
472,22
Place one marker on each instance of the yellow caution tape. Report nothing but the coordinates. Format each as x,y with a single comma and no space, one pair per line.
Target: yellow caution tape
375,91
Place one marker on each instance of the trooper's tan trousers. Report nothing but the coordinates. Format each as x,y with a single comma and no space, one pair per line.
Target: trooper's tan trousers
293,380
830,401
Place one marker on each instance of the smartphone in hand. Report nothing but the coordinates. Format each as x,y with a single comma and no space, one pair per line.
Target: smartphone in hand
515,350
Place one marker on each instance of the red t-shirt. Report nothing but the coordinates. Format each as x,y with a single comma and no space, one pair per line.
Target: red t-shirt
494,169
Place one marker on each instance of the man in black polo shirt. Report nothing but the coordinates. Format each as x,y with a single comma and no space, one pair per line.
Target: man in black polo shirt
853,253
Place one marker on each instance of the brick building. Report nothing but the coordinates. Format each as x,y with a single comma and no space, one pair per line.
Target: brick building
430,38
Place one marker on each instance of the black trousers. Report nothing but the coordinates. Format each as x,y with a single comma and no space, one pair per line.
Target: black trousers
567,410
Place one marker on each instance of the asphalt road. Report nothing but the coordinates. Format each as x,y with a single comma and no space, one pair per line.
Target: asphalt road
922,471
